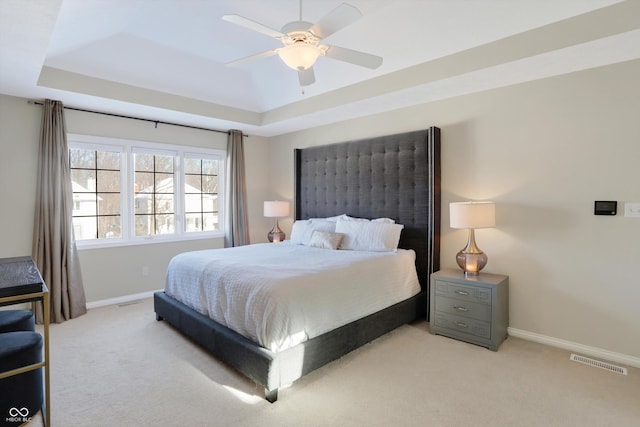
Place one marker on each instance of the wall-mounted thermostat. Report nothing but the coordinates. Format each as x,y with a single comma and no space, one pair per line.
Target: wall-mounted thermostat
603,207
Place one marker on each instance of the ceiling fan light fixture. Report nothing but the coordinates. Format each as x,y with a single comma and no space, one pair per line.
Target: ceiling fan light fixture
299,56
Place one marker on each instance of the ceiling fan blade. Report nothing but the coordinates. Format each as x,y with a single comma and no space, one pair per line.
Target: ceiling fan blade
354,57
306,77
255,57
252,25
335,20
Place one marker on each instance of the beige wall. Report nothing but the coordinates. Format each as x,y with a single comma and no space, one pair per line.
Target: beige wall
543,151
110,272
19,132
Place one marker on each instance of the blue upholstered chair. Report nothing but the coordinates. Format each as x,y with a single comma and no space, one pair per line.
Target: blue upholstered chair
20,345
21,395
16,320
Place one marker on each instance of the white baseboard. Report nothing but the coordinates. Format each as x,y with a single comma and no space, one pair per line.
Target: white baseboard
577,348
518,333
120,300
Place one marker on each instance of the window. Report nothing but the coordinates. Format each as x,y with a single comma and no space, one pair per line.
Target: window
95,180
127,192
154,194
201,194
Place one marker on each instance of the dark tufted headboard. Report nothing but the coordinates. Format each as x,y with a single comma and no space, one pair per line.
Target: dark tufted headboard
395,176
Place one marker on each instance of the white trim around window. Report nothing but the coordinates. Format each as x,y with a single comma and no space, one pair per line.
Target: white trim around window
128,148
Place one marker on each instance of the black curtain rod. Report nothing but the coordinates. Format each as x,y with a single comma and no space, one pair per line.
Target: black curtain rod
157,122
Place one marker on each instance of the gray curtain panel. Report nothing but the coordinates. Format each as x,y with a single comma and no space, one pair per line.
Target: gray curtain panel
54,247
236,222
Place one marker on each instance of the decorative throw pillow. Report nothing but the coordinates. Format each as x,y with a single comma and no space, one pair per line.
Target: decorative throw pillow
369,235
325,240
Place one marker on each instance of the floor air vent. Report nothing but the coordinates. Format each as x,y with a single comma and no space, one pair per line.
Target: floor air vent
598,364
124,304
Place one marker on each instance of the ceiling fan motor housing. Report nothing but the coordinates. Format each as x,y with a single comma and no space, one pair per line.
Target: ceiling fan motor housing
301,47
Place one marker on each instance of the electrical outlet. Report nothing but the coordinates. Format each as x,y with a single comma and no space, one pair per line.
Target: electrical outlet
145,271
632,210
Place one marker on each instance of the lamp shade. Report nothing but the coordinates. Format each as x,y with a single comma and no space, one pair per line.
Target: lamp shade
299,56
472,215
276,209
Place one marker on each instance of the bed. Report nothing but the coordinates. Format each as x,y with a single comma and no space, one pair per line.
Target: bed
396,177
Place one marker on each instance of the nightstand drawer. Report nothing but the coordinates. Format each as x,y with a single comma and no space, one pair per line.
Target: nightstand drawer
462,324
460,307
463,292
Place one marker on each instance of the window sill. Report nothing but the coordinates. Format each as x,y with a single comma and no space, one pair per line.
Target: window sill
152,240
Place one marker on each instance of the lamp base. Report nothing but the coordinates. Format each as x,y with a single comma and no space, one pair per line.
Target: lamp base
471,263
471,259
276,235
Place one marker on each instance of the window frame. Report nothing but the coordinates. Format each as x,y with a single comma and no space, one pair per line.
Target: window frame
128,148
176,186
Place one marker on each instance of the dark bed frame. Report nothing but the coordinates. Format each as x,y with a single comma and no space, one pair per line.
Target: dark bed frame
396,176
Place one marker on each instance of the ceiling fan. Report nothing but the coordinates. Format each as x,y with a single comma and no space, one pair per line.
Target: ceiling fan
301,42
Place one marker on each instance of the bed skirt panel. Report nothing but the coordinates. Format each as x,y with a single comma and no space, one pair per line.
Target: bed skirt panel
237,351
274,370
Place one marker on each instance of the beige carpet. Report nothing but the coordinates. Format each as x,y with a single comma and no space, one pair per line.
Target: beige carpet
118,366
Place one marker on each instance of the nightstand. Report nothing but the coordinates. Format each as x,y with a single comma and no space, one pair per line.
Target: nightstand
474,309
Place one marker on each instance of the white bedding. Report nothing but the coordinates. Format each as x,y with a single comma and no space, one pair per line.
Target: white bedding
282,294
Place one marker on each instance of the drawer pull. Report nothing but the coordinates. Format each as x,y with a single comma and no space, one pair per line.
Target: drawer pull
462,325
461,292
461,308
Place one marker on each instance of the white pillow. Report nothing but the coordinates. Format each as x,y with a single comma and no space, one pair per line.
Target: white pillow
384,220
325,240
330,218
369,235
302,230
353,218
298,230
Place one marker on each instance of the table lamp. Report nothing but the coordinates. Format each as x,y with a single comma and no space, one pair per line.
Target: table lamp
472,215
275,209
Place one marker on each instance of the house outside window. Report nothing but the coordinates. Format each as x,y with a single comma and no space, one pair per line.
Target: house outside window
96,185
201,194
131,192
154,193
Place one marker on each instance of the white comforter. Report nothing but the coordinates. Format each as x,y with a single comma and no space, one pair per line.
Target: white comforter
279,295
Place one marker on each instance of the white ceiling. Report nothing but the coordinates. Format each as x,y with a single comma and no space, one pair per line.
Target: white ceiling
164,59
